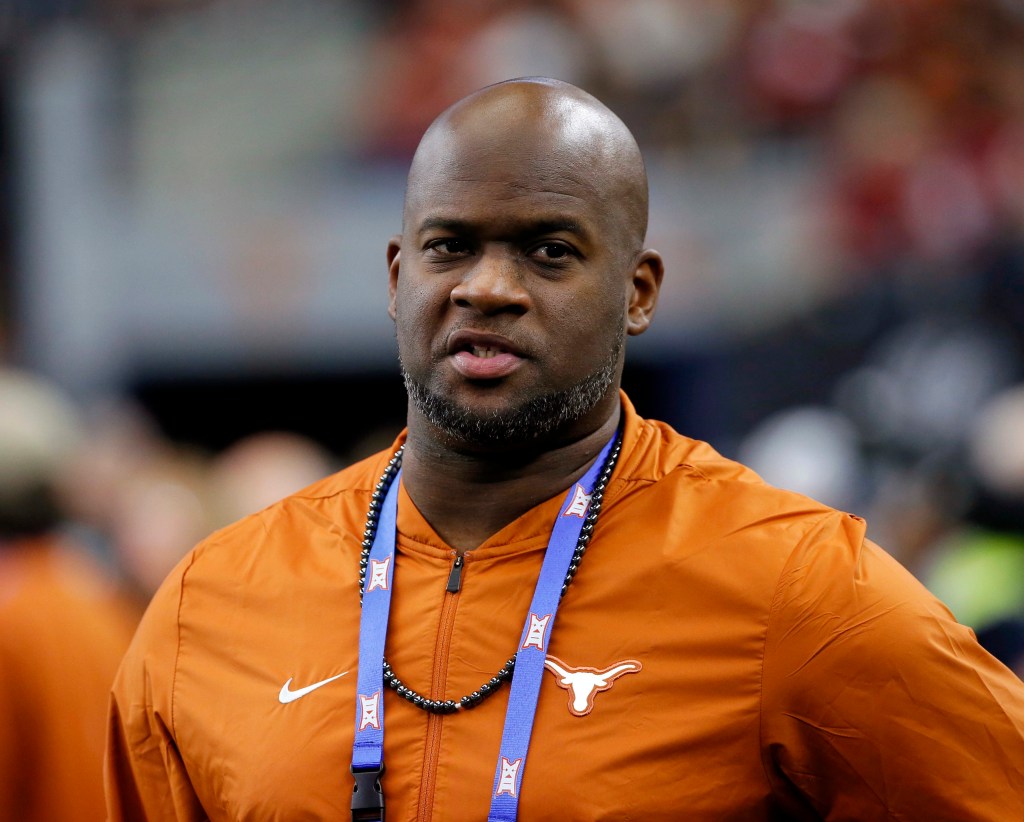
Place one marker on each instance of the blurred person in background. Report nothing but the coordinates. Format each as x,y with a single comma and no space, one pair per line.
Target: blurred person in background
261,469
726,650
159,511
977,565
63,626
138,499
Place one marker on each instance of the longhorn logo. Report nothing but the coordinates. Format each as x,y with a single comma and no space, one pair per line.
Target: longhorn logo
583,684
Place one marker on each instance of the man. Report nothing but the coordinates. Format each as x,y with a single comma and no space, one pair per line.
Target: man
63,625
723,649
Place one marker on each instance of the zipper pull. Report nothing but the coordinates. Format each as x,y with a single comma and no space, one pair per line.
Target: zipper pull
455,577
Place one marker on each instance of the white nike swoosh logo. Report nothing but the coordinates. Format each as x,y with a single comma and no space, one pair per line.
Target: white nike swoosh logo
288,695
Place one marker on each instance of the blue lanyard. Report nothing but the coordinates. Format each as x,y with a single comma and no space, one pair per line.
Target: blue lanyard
368,748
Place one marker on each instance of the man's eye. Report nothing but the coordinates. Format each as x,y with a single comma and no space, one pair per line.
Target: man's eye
552,251
449,247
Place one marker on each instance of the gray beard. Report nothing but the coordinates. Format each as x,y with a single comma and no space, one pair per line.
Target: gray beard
531,420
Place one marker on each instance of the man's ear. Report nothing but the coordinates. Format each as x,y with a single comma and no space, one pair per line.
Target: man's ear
642,293
394,256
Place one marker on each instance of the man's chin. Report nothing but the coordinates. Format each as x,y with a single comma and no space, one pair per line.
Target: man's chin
516,419
503,427
477,424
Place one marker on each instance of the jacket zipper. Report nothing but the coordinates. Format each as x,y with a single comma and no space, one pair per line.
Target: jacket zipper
435,722
455,576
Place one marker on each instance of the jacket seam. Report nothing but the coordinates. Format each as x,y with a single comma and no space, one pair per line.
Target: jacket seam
619,485
177,649
772,609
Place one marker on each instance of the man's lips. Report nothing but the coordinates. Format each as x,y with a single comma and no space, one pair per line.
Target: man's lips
480,356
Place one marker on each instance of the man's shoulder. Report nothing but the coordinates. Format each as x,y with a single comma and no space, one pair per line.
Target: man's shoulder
703,498
332,507
300,535
358,477
355,480
653,450
662,449
659,452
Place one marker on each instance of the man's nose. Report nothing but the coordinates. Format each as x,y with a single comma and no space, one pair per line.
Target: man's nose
493,285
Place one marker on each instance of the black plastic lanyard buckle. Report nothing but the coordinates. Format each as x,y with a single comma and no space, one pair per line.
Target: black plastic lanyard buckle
367,796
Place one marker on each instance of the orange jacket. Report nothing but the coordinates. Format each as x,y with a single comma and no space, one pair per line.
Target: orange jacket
63,631
778,666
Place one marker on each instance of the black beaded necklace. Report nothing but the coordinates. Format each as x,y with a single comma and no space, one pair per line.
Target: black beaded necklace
448,706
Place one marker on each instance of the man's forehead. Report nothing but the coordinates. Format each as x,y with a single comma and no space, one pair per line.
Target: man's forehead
506,179
519,137
528,157
524,143
462,177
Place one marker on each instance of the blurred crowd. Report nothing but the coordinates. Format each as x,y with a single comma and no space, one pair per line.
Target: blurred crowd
898,395
96,507
916,108
897,392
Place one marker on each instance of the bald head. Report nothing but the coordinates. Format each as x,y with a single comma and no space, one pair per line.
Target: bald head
521,269
547,131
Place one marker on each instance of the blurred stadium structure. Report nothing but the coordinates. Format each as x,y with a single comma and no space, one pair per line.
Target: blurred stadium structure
198,196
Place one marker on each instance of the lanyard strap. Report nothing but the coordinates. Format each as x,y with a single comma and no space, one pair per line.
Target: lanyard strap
533,645
368,747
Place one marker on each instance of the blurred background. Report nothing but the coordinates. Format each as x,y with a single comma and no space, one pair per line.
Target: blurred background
195,197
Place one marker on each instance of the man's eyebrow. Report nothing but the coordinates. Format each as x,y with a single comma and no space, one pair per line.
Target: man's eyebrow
554,226
444,223
526,228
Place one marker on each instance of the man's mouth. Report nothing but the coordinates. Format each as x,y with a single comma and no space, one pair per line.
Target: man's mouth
480,356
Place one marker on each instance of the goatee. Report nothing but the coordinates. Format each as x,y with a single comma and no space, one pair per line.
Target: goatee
534,418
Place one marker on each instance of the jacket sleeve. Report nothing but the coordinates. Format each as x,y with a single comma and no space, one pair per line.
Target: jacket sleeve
145,777
12,718
877,704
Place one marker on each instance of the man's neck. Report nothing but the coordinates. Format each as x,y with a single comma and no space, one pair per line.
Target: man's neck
468,495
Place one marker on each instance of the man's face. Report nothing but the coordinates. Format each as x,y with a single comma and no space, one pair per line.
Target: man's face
509,291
